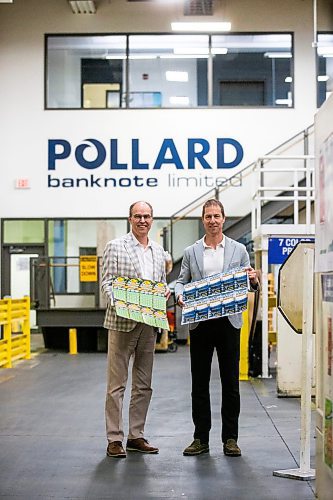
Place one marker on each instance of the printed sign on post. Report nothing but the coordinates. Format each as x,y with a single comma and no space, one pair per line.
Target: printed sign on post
88,268
280,248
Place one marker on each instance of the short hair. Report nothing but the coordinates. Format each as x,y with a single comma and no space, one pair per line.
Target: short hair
210,203
140,201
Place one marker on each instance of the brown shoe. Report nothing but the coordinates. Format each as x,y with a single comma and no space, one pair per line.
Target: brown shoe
141,445
116,450
231,448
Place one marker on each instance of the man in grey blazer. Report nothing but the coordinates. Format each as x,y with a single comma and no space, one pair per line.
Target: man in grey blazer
214,253
135,256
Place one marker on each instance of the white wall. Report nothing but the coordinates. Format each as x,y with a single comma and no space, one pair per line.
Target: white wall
28,126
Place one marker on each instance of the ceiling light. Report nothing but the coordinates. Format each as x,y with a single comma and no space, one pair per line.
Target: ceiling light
288,79
283,101
179,100
82,6
176,76
201,51
183,56
115,56
190,50
323,78
325,51
204,27
142,56
278,55
219,50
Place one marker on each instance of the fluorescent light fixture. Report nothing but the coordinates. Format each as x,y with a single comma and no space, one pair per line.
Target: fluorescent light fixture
201,51
115,56
179,100
205,26
323,78
219,50
82,6
325,51
134,56
278,55
176,76
283,101
288,79
142,56
191,50
183,56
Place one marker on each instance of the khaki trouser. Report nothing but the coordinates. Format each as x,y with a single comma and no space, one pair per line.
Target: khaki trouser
139,342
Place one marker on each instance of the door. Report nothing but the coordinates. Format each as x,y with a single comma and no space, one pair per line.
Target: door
16,272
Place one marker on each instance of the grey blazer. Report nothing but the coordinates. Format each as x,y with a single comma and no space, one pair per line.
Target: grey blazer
235,255
120,259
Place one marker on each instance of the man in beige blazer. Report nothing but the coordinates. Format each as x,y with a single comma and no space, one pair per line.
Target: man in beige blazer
135,256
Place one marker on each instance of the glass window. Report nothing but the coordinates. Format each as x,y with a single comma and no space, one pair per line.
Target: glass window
23,231
85,71
68,236
252,70
169,71
69,239
324,67
156,232
184,233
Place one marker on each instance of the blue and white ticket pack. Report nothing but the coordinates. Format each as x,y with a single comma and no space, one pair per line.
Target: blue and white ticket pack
215,296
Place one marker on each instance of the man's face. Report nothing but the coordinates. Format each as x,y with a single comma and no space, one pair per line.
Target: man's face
213,220
141,219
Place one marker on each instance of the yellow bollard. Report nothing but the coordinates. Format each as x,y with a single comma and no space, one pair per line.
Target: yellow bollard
72,341
244,348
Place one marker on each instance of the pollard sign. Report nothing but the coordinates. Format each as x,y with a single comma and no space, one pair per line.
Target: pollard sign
100,165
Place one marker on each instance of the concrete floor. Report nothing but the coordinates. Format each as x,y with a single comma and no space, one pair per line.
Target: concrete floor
52,437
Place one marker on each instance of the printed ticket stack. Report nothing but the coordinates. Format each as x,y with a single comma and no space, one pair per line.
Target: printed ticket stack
218,295
141,300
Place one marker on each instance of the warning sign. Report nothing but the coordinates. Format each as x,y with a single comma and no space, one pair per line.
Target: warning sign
88,268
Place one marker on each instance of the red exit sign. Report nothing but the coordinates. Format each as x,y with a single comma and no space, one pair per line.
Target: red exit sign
22,184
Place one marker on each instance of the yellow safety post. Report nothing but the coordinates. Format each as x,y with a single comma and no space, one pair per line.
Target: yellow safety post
72,341
164,340
244,348
15,344
6,342
26,326
20,342
162,345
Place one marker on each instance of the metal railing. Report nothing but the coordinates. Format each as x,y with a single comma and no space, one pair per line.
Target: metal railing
65,282
280,183
175,238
